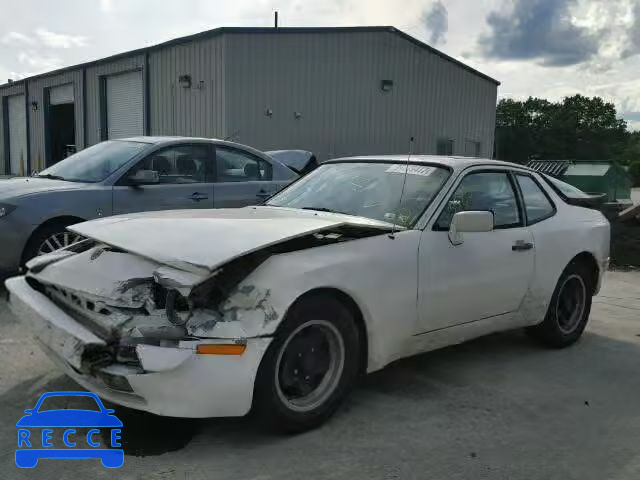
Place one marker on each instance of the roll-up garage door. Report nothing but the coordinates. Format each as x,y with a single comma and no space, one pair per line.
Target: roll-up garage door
61,95
17,135
125,105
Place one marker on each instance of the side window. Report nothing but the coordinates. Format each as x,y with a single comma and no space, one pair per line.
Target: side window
238,166
178,164
490,191
536,203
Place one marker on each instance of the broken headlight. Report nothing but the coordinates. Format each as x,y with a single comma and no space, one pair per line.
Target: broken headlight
177,307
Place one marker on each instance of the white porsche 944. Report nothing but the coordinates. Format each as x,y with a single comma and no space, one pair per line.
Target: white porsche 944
276,309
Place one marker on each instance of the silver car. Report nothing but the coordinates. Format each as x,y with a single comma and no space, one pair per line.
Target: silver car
129,175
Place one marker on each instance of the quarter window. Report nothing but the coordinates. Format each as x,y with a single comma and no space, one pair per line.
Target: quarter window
536,203
236,166
488,191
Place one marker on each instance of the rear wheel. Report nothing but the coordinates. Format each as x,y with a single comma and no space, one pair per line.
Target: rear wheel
309,367
49,238
569,308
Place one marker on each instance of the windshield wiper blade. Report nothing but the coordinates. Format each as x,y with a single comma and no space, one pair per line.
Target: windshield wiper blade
324,209
51,177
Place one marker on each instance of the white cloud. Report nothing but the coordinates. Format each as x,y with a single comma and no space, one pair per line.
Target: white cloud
15,38
60,40
37,62
106,5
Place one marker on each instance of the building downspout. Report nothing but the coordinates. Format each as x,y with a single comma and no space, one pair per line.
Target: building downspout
28,121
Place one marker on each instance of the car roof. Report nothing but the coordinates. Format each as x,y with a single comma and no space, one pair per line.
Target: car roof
454,162
164,139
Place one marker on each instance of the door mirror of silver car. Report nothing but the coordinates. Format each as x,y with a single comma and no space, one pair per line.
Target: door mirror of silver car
144,177
471,221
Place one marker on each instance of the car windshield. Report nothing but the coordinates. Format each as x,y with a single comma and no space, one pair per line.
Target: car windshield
68,402
95,163
566,189
367,189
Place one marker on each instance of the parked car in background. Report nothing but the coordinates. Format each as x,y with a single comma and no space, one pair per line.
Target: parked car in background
279,307
130,175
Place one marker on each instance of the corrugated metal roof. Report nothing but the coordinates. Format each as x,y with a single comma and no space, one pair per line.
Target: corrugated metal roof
555,168
588,169
279,31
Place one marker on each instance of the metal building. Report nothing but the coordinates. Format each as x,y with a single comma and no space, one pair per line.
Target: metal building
334,91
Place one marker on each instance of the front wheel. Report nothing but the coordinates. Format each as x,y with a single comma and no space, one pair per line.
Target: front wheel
48,239
309,367
569,309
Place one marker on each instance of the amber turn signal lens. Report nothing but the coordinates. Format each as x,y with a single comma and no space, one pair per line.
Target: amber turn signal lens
220,349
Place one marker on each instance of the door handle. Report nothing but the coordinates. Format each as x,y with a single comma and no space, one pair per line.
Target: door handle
521,246
196,196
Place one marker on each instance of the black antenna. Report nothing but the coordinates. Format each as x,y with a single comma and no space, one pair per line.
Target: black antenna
404,181
275,19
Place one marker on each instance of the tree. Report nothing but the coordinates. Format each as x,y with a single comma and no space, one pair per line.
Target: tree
577,128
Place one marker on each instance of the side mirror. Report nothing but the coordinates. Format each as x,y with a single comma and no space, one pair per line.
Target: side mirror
471,221
29,410
144,177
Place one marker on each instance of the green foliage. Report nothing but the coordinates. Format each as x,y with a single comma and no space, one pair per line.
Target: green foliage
577,128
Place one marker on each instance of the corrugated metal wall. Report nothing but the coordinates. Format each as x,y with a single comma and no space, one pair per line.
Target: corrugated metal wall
93,90
6,91
37,118
333,81
322,89
197,111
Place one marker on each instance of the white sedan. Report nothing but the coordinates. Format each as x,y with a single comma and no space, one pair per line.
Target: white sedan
278,308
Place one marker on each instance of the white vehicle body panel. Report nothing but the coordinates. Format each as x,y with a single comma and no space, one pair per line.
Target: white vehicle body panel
413,289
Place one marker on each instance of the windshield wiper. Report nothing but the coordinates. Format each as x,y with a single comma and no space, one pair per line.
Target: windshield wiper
324,209
51,177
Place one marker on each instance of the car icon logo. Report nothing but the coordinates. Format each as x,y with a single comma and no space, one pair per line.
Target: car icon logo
42,427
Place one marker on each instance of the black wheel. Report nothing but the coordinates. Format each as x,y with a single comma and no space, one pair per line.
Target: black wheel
49,238
309,367
569,308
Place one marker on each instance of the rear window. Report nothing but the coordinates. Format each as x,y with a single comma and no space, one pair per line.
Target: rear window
564,189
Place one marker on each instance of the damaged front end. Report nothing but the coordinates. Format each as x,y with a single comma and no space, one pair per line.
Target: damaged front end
150,321
137,316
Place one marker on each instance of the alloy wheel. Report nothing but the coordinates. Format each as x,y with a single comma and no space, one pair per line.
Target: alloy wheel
57,241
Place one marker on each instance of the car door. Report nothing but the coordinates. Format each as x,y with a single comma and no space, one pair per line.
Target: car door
489,273
241,178
185,172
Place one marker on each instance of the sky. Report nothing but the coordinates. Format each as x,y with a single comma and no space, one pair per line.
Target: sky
543,48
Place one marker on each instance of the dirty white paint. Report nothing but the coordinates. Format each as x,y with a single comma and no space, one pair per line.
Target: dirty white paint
416,291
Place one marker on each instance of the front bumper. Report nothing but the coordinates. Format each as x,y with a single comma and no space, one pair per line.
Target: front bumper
198,386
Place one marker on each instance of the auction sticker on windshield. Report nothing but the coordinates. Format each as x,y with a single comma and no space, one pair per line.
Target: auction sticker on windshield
47,431
421,170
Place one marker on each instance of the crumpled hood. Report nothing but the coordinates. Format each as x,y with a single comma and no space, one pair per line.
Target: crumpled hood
200,241
16,187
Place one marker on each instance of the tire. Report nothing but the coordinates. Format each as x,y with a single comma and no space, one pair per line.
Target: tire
564,322
44,233
281,402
